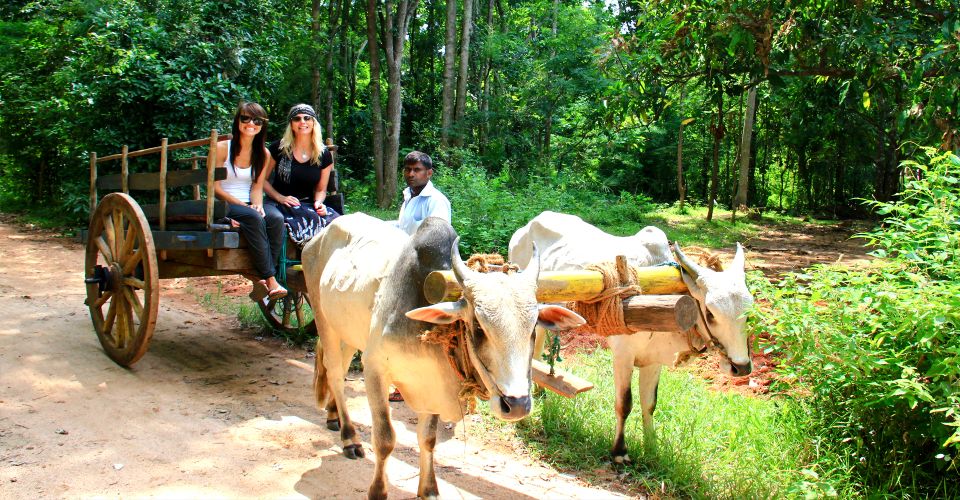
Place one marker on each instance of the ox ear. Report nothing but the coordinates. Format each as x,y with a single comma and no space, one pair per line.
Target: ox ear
441,314
558,318
739,261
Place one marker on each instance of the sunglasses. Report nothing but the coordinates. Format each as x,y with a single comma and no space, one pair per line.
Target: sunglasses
248,119
301,118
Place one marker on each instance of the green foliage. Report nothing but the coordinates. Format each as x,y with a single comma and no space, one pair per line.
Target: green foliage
487,211
878,349
923,227
81,76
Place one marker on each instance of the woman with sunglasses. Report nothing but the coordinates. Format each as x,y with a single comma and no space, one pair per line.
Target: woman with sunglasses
299,185
245,158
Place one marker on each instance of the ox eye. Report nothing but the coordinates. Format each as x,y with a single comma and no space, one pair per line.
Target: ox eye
710,317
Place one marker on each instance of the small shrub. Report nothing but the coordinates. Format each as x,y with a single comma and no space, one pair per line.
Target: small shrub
879,349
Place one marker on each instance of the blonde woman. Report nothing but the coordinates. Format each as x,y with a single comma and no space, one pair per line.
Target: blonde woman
301,165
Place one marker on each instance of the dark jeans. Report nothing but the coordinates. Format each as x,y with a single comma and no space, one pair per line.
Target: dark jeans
264,236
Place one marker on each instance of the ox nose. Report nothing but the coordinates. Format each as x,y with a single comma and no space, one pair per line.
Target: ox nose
515,407
738,370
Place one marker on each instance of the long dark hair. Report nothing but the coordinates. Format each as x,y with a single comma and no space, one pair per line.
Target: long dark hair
257,158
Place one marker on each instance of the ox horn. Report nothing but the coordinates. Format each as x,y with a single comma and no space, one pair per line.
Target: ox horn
739,261
692,269
460,270
533,267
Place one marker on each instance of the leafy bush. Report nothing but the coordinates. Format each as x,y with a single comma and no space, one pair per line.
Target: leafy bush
486,211
879,348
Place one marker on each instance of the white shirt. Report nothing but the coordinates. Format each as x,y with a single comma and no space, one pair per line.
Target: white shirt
238,181
429,203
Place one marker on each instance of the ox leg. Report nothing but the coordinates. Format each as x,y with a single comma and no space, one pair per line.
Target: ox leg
333,415
648,380
622,378
427,438
384,438
333,362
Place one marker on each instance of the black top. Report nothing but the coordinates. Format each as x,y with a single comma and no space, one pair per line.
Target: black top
294,178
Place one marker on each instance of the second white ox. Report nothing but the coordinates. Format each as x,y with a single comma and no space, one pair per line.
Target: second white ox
365,282
566,242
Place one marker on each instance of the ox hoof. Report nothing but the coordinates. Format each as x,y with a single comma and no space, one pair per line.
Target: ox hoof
621,459
353,451
333,424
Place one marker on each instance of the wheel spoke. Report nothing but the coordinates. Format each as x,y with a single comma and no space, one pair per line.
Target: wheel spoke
300,318
111,316
129,237
134,282
131,263
103,246
286,312
118,232
134,302
110,232
102,299
120,332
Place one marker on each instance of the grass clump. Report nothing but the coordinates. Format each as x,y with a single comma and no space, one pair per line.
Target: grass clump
710,444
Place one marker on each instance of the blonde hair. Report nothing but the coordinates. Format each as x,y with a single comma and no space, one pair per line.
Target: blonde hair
287,141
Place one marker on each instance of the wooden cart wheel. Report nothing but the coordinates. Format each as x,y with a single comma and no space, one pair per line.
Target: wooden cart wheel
121,278
289,314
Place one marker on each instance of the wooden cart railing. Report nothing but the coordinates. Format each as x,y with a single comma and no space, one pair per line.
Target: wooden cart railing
130,247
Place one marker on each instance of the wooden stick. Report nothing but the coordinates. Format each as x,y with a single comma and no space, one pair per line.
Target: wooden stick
163,184
196,187
93,183
124,170
561,382
211,165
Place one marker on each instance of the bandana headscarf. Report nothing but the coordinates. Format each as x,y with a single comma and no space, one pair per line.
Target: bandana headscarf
301,109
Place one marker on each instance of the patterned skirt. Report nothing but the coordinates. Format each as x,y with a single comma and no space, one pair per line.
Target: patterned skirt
303,222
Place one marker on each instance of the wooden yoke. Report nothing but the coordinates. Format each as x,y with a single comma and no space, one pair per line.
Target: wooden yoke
565,286
661,307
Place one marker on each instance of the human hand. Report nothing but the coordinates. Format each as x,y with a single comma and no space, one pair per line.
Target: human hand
320,207
290,201
259,208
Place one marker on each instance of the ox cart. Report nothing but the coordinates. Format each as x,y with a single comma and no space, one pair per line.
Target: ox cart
131,245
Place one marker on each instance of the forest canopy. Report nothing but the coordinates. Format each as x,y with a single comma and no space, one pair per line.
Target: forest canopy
797,106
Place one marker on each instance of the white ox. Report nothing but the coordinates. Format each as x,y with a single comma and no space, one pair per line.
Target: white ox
566,242
365,282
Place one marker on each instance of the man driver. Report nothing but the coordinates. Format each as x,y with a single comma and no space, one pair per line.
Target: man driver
420,198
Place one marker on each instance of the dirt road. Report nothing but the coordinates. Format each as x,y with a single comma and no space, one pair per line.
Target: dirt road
209,412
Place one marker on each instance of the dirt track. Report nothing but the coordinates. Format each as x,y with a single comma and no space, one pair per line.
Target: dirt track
210,411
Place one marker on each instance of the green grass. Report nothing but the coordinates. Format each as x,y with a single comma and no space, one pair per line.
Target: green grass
710,444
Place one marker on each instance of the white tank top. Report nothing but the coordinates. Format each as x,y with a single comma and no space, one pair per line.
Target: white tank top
238,180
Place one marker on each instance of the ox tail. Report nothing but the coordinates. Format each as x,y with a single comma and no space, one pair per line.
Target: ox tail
321,389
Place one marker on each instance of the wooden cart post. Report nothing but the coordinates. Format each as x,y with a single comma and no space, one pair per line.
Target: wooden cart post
211,165
124,170
93,183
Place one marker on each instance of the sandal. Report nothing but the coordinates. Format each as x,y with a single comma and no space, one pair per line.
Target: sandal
395,396
277,293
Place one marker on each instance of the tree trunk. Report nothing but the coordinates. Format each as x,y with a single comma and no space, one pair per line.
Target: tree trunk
681,185
718,133
376,119
485,81
461,103
745,151
396,24
328,79
314,66
449,58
